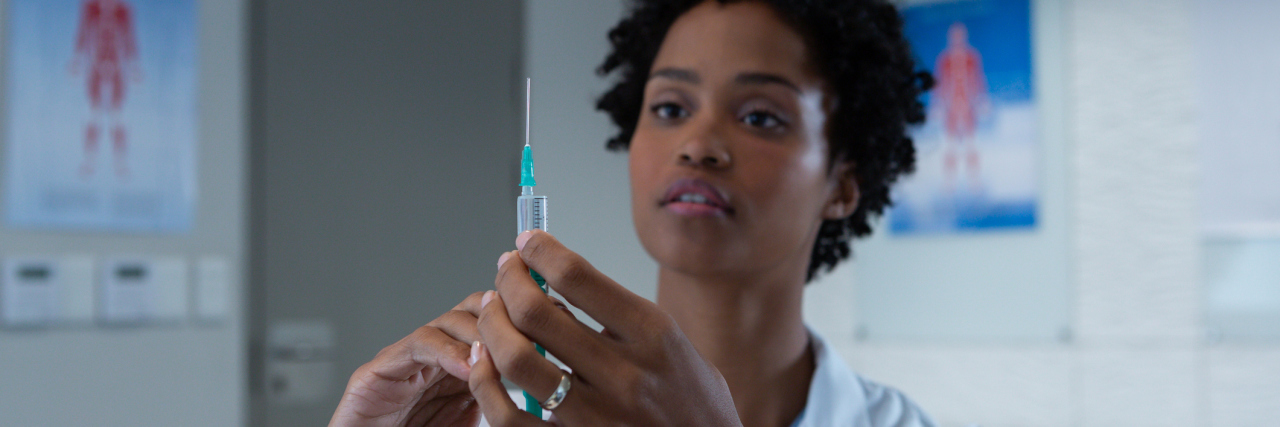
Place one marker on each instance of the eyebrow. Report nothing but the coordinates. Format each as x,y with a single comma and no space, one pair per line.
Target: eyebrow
677,74
751,78
765,78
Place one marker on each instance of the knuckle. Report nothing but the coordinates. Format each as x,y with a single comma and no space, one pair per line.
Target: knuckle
475,383
575,270
670,337
532,316
518,364
457,316
448,318
360,373
487,325
430,342
485,321
388,349
666,325
633,383
654,330
422,335
359,380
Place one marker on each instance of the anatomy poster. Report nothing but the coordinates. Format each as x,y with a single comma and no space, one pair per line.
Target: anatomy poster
978,163
101,114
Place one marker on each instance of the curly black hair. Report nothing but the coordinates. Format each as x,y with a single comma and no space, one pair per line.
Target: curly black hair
864,56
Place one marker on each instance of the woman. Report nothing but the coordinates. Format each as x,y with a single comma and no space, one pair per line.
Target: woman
762,137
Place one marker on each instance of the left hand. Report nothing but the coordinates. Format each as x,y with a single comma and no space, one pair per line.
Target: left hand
641,370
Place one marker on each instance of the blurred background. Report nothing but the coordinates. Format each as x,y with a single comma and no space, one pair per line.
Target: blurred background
287,186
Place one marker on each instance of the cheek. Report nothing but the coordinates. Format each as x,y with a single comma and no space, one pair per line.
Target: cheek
643,167
791,182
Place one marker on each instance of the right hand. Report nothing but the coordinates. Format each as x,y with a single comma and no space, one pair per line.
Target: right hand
641,370
420,380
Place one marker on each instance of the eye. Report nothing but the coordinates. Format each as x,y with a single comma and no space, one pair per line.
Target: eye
762,119
669,111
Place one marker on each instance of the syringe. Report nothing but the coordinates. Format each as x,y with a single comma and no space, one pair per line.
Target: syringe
531,214
531,210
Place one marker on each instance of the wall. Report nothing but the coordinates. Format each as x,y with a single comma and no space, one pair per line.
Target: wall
184,374
590,198
1138,355
972,287
386,152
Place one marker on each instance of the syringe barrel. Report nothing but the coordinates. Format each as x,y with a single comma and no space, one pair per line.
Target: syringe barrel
531,213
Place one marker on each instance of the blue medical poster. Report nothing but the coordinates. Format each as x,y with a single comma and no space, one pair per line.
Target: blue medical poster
101,114
978,165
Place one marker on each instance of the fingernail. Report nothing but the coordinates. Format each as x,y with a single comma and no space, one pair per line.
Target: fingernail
523,238
475,353
502,259
488,296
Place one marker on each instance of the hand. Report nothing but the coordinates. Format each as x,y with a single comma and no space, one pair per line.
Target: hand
641,370
420,380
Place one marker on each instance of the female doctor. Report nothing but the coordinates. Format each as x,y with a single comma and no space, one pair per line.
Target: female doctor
763,135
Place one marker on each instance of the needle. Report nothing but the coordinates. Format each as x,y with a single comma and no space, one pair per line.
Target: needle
528,89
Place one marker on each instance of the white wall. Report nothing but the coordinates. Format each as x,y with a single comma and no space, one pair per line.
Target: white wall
1138,357
185,374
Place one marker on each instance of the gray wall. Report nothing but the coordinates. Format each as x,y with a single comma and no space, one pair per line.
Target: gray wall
173,375
386,144
588,187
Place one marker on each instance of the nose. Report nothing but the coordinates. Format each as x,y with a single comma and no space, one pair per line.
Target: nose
705,149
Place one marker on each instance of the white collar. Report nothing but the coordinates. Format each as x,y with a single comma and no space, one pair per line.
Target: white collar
839,397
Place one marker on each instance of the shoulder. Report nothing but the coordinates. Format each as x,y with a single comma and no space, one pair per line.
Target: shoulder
888,407
840,397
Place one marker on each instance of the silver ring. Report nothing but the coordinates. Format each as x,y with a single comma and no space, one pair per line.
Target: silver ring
557,397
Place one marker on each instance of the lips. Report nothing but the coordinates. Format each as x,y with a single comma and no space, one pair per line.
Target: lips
696,197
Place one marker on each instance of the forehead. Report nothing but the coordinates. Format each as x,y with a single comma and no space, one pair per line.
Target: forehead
721,40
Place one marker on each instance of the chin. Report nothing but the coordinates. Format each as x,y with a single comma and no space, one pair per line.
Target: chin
695,252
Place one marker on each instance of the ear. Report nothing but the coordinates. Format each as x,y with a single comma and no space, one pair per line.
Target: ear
844,194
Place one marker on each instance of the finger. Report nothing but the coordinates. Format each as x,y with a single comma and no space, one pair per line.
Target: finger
471,304
537,316
572,276
459,325
425,347
495,403
514,355
460,410
560,305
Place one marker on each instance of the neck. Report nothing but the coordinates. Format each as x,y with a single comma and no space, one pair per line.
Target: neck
753,332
